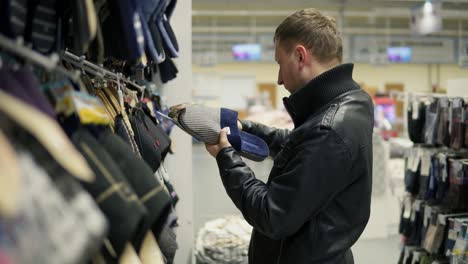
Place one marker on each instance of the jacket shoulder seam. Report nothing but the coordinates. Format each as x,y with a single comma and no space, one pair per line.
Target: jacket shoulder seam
343,143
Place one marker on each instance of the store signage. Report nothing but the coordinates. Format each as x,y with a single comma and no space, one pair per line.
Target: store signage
414,50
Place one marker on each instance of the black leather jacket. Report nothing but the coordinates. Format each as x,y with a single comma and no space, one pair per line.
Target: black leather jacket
316,202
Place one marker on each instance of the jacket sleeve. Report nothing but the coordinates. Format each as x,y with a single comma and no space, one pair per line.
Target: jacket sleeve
314,174
274,137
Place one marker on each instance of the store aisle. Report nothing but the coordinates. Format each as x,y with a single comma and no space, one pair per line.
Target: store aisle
211,201
381,251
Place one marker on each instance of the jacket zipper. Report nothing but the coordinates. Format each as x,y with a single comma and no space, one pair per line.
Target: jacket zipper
281,251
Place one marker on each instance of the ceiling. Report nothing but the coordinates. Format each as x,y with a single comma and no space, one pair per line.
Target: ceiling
218,24
355,16
329,4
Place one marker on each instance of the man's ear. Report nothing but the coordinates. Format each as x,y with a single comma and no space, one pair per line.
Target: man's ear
302,54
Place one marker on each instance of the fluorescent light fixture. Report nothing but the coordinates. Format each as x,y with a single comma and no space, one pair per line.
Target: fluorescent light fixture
428,7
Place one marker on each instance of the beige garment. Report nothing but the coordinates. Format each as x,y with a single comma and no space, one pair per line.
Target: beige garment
10,178
92,19
150,253
49,134
129,256
107,104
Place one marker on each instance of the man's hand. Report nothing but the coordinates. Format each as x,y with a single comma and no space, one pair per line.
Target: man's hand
223,143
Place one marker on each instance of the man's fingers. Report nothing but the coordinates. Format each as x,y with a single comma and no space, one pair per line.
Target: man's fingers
211,149
223,135
224,132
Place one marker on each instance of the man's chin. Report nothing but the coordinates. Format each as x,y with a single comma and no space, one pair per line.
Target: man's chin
291,90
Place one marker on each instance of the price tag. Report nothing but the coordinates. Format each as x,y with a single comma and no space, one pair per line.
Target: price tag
426,163
407,205
427,215
417,160
413,212
415,106
442,219
457,102
411,157
452,234
417,205
443,102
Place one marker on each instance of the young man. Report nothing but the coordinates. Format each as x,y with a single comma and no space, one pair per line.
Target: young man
316,202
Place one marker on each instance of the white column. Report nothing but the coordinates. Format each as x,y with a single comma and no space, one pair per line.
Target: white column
180,164
457,87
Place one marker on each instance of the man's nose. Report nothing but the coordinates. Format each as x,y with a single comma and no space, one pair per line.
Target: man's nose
280,80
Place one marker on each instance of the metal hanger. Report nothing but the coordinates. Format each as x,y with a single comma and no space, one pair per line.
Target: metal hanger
81,63
100,71
49,63
87,65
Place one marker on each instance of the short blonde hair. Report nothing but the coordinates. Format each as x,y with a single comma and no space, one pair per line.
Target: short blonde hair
315,31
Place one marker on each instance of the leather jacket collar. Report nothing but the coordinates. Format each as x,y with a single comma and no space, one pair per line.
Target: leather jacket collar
320,91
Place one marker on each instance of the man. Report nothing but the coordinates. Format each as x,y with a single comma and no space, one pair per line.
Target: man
316,202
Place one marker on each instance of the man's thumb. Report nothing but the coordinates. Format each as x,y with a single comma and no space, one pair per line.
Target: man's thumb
225,131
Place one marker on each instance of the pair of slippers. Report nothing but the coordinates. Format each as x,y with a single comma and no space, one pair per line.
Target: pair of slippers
205,124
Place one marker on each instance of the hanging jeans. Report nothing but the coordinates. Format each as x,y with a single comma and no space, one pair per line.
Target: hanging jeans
416,119
430,126
442,134
457,124
457,197
465,118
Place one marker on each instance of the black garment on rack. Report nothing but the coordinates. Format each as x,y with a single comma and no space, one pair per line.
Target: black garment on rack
113,194
149,190
457,197
46,29
432,119
172,192
443,137
148,144
37,22
168,70
96,48
405,222
77,27
465,118
431,192
119,31
168,244
156,130
416,224
416,125
440,184
423,186
458,126
13,17
412,180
